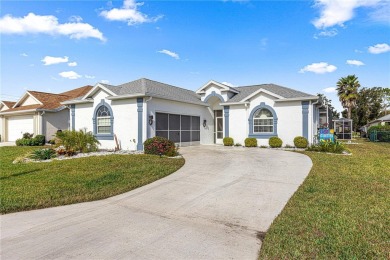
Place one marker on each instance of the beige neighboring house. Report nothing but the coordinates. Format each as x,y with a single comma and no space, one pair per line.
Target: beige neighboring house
38,113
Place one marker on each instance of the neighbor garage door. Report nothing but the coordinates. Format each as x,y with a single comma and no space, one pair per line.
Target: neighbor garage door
17,125
183,129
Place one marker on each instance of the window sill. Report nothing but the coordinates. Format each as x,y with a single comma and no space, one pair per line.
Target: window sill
104,136
262,136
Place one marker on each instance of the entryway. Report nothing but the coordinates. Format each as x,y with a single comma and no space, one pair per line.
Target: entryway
218,126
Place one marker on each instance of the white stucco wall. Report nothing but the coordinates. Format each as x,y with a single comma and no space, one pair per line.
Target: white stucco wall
125,120
167,106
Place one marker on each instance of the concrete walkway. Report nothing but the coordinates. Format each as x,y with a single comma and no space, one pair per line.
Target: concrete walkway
212,208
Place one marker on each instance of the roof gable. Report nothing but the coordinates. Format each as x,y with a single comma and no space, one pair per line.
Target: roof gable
30,98
219,85
96,88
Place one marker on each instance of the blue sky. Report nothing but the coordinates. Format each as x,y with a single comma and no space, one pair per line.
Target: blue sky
55,46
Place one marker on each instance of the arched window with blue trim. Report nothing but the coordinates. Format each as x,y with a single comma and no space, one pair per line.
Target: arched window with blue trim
103,121
263,122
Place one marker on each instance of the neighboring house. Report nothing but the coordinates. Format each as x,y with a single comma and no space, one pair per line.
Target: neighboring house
37,113
384,120
135,111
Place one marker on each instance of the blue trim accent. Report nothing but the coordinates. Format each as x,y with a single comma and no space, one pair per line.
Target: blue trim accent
109,136
72,112
226,113
305,119
250,120
213,94
140,102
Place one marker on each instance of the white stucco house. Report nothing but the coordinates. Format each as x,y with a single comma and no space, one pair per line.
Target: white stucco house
37,113
135,111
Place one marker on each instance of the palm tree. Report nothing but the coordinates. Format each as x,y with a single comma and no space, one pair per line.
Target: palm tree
347,90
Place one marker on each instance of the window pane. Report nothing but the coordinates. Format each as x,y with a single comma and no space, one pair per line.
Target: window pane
174,122
218,113
219,124
185,122
162,134
195,136
161,121
104,129
185,136
103,111
219,135
103,121
195,123
174,136
263,113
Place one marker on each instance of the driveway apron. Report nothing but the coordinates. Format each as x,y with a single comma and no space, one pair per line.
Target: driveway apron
214,207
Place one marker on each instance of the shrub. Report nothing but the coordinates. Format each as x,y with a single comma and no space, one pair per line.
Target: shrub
78,141
43,154
228,141
263,146
275,142
250,142
39,140
378,128
160,146
300,142
238,144
27,135
327,147
52,141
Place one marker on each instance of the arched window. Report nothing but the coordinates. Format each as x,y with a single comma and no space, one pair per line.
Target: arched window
263,121
103,117
103,121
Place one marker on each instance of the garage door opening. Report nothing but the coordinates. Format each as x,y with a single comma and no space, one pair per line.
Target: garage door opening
181,129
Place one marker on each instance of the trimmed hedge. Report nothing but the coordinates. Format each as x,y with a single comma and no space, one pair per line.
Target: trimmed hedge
250,142
38,140
275,142
228,141
300,142
160,146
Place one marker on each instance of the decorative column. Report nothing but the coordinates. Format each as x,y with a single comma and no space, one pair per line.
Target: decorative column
305,119
140,103
226,113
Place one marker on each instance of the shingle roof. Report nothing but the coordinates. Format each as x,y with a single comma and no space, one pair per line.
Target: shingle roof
52,101
152,88
279,90
8,103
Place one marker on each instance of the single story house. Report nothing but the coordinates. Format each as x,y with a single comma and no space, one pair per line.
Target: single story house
38,113
384,120
130,113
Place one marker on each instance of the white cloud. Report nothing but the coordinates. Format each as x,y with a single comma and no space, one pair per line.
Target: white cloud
318,68
72,64
337,12
104,81
329,90
128,13
170,53
326,33
24,54
379,48
69,75
89,77
49,60
355,62
381,13
47,24
75,19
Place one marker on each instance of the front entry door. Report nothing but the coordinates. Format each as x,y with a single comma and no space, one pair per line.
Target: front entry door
218,127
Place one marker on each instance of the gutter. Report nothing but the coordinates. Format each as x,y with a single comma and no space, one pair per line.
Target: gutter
18,112
82,101
234,103
298,99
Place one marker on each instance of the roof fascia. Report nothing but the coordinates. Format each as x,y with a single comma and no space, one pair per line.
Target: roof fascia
224,87
259,91
297,99
95,88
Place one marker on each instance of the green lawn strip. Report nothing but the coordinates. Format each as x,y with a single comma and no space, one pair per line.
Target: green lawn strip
41,185
340,211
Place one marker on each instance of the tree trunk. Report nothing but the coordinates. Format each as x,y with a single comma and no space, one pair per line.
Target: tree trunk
349,115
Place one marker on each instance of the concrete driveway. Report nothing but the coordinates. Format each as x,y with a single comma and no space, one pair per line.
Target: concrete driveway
212,208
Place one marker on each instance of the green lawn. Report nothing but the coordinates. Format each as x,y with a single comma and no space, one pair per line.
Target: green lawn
342,210
41,185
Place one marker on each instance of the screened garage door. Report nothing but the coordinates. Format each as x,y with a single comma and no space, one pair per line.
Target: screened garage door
18,125
181,129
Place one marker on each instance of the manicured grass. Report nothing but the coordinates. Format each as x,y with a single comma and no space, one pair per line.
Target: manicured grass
40,185
342,210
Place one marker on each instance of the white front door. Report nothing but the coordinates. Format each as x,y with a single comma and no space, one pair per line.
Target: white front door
218,126
18,125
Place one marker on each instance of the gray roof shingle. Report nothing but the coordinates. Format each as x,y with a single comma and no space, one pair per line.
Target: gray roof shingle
279,90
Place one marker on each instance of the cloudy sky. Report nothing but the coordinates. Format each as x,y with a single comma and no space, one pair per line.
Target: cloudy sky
55,46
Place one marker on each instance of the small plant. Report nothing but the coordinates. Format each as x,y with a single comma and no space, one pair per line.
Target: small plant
39,140
27,135
250,142
300,142
43,154
327,147
288,146
52,141
77,141
160,146
228,141
238,144
263,146
275,142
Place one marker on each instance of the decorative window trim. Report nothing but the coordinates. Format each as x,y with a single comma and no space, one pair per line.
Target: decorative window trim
275,122
213,94
109,136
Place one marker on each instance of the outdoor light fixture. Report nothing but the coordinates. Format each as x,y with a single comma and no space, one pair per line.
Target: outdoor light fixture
204,123
151,120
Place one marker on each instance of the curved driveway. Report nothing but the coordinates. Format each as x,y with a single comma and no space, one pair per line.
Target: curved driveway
212,208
